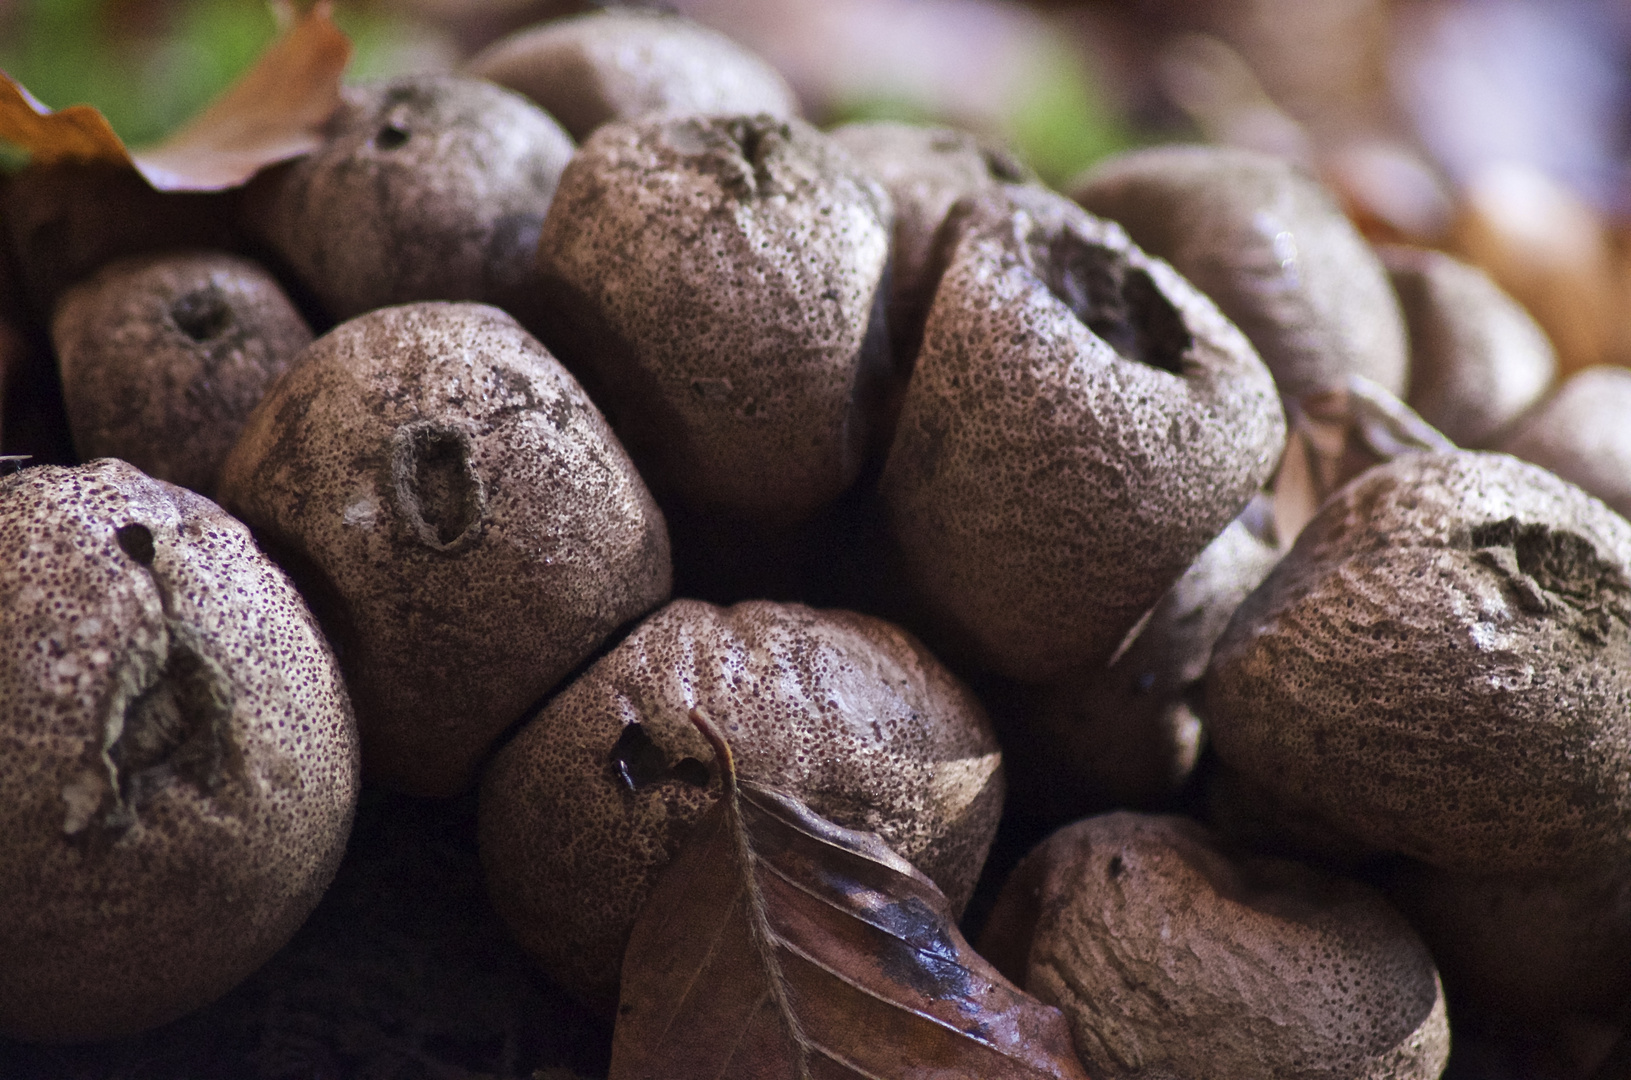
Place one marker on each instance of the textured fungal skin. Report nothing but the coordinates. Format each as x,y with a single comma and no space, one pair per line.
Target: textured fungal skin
429,187
1439,668
1127,732
718,283
624,64
925,170
1080,424
1580,433
1477,359
177,753
1169,959
163,358
840,710
466,519
1271,248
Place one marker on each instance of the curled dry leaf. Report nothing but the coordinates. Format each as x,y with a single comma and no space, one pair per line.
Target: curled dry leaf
778,944
275,112
1334,435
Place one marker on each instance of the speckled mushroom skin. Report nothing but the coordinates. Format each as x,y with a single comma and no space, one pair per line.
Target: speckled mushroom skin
177,753
1126,733
1080,424
840,710
465,521
1581,433
1477,359
925,170
1170,959
719,285
163,357
429,187
1272,248
1439,667
624,64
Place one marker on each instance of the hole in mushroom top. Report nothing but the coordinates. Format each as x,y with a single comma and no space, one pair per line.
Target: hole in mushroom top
202,314
436,484
736,150
137,542
750,137
177,727
1003,166
390,137
1120,303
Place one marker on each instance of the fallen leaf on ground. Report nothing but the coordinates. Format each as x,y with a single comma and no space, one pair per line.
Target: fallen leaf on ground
778,944
1334,435
275,112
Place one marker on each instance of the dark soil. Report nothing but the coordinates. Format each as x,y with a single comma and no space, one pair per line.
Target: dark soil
402,973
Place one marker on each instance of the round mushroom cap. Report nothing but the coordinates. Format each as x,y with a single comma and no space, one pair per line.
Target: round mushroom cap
467,526
1477,359
1441,667
1170,958
428,187
719,283
583,809
627,63
178,756
1080,425
1580,433
1272,248
926,170
164,356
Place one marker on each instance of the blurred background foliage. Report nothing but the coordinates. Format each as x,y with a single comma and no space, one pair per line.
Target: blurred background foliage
1400,97
1497,129
150,64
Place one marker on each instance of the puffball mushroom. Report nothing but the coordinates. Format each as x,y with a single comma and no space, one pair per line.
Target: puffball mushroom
583,809
466,523
1440,668
1080,425
176,747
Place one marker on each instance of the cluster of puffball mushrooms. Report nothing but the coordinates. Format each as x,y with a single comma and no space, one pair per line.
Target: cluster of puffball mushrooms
607,322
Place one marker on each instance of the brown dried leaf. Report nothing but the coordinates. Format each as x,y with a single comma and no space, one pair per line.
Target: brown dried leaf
778,944
1334,435
77,133
276,111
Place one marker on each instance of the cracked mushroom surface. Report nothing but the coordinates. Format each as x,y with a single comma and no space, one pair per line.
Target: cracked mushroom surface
176,747
1080,425
583,809
1439,668
467,525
